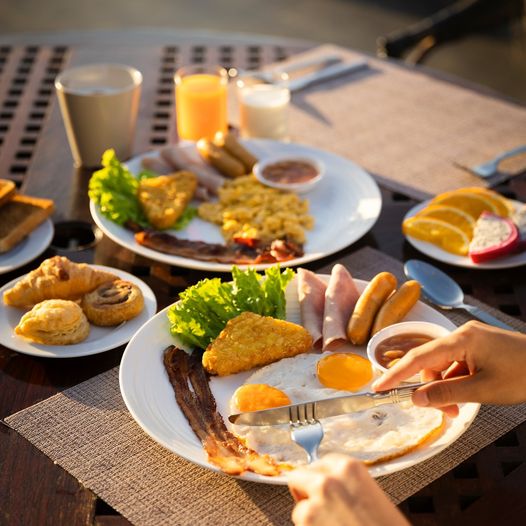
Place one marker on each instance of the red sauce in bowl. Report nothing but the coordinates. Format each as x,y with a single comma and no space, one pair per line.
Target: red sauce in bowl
390,350
290,172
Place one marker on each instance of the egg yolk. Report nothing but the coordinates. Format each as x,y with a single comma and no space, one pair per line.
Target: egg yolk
344,371
255,397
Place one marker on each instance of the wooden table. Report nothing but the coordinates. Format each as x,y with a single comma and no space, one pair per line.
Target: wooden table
34,153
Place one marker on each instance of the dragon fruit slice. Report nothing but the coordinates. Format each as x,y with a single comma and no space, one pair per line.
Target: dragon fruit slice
493,237
519,218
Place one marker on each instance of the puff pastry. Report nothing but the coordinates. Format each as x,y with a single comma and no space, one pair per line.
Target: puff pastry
54,322
55,278
112,303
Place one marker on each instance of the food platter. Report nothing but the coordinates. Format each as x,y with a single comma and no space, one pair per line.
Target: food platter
28,249
150,399
345,206
515,260
99,340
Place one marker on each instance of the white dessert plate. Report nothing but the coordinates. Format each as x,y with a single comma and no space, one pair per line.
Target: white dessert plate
345,205
100,339
150,398
515,260
28,249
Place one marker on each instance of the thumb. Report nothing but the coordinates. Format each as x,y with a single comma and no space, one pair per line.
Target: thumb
447,392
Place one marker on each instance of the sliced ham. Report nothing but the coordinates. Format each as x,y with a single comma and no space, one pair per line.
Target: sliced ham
154,164
340,298
311,295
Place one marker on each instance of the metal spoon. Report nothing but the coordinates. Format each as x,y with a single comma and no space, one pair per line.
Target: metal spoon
444,292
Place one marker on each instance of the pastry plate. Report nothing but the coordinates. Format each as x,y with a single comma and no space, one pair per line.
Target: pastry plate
150,398
100,339
515,260
28,249
345,206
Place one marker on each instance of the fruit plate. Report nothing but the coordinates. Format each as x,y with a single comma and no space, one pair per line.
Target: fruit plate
514,260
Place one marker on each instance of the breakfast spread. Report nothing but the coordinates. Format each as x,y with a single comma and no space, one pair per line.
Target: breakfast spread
235,326
19,215
54,322
112,303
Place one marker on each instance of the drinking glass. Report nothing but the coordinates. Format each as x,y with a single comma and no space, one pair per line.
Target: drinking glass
201,101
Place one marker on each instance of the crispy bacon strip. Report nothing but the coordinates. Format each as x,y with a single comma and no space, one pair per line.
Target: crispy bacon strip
278,250
193,394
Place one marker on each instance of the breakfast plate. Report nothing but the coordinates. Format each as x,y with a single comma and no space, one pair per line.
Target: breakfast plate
345,205
100,339
515,260
28,249
150,398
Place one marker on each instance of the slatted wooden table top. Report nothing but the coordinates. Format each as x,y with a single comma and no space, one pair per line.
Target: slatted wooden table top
34,153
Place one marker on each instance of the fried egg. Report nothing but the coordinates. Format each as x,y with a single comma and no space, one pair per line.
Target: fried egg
373,436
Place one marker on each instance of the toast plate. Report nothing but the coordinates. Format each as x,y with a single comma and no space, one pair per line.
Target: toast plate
345,206
150,398
28,249
100,339
515,260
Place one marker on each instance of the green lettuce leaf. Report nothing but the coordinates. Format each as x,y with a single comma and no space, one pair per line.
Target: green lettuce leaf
205,308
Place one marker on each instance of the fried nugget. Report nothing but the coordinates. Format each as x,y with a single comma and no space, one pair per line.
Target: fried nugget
164,198
250,340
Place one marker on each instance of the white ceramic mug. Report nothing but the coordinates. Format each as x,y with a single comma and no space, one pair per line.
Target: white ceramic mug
99,105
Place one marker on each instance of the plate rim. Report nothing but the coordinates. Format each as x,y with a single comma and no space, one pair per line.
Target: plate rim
150,306
375,471
43,233
453,259
367,224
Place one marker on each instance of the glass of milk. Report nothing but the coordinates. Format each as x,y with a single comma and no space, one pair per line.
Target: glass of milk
263,106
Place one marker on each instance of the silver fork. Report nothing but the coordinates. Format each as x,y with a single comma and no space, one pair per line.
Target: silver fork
305,429
491,168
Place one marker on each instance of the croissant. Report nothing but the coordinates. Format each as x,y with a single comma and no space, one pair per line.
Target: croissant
55,278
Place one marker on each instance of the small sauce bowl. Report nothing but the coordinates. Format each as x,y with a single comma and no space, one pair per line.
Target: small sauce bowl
298,174
409,328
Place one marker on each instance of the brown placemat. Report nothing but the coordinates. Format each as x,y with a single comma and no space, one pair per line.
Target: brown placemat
406,127
88,431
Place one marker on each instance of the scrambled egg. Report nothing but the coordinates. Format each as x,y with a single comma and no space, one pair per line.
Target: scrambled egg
248,209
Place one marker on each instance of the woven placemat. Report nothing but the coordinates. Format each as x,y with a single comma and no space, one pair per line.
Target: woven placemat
88,431
405,127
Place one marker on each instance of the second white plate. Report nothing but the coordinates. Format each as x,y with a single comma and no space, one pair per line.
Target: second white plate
345,206
100,339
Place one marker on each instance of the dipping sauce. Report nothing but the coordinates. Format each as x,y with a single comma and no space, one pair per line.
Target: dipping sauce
389,351
290,172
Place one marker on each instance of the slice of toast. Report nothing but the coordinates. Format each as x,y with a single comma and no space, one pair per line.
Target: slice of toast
7,190
19,217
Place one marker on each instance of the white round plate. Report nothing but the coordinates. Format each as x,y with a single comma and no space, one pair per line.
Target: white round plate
150,398
28,249
100,339
437,253
345,206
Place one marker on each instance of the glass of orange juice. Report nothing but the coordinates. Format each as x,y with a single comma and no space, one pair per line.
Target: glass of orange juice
200,101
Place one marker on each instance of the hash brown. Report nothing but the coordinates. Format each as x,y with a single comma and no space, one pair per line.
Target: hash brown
250,340
164,198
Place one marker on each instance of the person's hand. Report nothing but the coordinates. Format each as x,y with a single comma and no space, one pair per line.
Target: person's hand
475,363
338,490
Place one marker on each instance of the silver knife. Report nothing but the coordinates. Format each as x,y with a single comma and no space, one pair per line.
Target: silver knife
327,407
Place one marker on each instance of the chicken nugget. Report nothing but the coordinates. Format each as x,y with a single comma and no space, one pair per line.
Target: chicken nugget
250,340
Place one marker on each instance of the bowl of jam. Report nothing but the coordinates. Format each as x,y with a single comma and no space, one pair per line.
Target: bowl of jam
388,346
298,174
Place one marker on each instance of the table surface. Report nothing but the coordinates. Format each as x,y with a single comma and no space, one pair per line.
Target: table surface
489,486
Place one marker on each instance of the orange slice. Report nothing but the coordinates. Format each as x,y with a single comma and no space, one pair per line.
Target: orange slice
451,215
471,203
444,235
503,205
